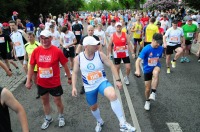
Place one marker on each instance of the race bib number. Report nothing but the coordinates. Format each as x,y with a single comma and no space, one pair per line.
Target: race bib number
17,43
67,40
152,61
138,32
77,32
45,72
120,48
190,35
174,39
93,76
2,40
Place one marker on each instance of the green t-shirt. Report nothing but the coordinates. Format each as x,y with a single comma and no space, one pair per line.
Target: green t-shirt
189,31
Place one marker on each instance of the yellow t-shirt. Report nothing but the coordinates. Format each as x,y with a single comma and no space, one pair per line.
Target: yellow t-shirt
151,29
124,30
29,49
138,33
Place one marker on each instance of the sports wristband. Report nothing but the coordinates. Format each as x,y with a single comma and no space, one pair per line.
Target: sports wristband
119,80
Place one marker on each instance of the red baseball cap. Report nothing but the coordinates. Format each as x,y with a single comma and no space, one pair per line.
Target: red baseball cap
5,24
15,13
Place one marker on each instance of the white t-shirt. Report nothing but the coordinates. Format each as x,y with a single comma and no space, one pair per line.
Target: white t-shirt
99,20
164,25
47,24
67,38
198,19
174,36
101,35
17,40
110,30
55,40
60,21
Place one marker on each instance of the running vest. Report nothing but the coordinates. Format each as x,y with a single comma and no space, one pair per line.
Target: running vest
120,47
92,71
5,125
17,39
138,34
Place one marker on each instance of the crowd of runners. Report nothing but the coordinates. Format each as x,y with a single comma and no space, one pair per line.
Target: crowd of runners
112,38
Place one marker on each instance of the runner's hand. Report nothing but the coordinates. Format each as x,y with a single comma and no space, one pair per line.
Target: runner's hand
9,73
137,74
25,66
133,55
74,92
119,84
165,45
28,85
197,54
69,81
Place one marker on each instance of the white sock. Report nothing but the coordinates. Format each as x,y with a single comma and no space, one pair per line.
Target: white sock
48,117
60,115
97,115
116,107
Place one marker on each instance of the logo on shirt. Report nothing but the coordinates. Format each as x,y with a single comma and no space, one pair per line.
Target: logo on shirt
90,66
45,58
151,54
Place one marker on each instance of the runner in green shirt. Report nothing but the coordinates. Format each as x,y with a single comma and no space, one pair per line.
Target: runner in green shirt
190,34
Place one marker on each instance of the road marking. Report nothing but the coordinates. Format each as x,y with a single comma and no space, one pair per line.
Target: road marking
130,105
174,127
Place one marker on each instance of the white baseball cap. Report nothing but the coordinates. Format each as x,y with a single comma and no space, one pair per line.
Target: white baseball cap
118,24
89,40
52,20
45,33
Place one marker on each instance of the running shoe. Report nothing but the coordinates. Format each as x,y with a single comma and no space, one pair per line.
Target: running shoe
152,96
168,70
187,60
126,127
126,80
46,123
71,72
182,59
147,105
173,64
199,60
82,90
99,126
61,121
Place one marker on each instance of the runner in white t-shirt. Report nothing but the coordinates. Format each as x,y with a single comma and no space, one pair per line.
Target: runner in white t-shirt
68,41
164,23
56,36
100,33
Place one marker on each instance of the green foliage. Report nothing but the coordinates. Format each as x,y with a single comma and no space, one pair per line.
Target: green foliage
193,4
32,8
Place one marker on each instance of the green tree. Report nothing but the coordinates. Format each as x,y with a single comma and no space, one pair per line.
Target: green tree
192,4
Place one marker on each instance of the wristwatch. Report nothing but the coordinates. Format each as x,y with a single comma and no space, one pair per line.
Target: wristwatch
119,80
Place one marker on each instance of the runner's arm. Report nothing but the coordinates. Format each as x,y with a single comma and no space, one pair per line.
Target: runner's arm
79,48
75,72
24,35
137,65
8,99
109,63
110,46
74,42
129,44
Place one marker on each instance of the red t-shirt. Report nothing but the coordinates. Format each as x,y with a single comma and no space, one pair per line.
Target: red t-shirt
145,20
103,19
161,30
47,61
117,19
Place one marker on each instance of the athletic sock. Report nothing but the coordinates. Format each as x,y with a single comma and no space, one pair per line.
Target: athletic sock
153,90
60,115
97,115
116,107
48,117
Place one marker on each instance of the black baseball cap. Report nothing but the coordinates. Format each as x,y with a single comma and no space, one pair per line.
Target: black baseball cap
158,38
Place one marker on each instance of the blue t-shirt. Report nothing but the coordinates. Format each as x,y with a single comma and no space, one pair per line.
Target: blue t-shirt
150,57
29,26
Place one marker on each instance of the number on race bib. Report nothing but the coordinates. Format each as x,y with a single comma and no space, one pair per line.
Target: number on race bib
45,72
